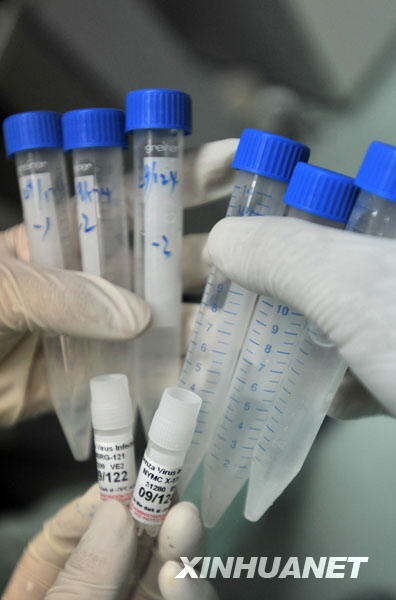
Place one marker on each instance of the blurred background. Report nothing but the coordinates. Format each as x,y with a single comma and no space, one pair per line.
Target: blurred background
319,71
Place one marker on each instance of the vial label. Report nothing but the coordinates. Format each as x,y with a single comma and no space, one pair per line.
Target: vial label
116,468
40,215
88,208
163,229
153,491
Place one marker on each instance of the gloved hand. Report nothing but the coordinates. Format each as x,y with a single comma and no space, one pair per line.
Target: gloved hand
343,281
44,299
90,550
38,299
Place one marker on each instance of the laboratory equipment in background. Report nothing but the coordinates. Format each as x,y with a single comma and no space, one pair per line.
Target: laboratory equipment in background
374,213
34,139
285,374
264,164
158,119
96,137
169,437
112,421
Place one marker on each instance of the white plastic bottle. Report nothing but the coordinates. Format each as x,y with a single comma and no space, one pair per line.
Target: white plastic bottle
112,420
170,435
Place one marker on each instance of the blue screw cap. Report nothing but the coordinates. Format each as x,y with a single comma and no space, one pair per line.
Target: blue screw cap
321,192
268,154
32,130
158,109
377,173
93,127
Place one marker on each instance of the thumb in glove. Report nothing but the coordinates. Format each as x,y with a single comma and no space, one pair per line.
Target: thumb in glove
343,281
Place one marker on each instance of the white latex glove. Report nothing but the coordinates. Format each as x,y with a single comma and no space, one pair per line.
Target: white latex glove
90,550
39,299
343,281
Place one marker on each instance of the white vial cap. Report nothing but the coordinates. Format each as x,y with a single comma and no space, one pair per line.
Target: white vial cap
111,405
174,420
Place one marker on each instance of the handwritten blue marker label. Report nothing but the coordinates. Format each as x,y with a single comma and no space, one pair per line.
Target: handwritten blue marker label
87,191
45,227
89,195
86,227
41,218
155,174
164,246
163,211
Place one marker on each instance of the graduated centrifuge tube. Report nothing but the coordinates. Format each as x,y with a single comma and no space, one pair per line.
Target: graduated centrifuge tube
169,437
158,119
276,337
264,163
313,369
374,213
97,139
112,422
35,140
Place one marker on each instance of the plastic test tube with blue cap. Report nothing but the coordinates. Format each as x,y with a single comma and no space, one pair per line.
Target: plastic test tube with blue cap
313,367
258,403
96,137
375,210
264,163
158,119
374,213
34,139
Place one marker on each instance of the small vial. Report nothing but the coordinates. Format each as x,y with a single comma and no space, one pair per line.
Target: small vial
112,421
169,436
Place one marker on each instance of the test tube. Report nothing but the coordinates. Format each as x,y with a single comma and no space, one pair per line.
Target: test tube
264,163
374,213
265,404
112,421
34,139
159,119
96,137
169,437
